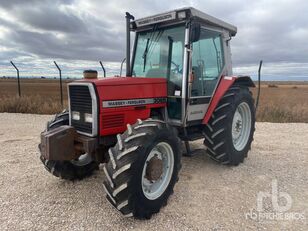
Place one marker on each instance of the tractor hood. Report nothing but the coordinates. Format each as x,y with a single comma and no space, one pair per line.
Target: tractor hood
116,81
117,88
123,99
119,101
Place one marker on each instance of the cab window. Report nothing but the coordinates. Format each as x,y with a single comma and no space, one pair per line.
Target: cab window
207,62
159,54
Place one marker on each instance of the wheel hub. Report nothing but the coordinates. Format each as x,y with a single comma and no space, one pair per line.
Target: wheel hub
237,125
157,171
241,126
154,169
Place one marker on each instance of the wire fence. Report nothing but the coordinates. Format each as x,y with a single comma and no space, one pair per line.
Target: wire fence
63,72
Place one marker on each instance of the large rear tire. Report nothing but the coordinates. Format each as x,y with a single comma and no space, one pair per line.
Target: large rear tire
229,132
143,168
80,168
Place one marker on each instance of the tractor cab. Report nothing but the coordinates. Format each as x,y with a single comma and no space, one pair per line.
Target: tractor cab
188,48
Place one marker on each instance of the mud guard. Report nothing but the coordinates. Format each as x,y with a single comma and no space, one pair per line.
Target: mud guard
225,83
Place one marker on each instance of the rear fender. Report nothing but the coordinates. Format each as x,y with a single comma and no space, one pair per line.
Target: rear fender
244,81
225,83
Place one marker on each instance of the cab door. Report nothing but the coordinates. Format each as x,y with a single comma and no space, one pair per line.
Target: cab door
175,81
207,65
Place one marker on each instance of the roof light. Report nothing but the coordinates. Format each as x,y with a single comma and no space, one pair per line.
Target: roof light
182,15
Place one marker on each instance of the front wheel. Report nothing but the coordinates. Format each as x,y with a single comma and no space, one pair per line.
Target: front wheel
143,168
229,132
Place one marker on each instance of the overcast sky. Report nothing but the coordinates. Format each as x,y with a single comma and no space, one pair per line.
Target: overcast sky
78,33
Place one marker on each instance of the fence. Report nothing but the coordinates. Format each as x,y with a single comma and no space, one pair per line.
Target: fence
21,69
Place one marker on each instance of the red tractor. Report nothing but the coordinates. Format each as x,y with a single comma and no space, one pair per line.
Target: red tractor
178,87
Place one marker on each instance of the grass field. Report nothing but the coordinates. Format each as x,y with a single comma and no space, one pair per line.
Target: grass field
283,103
39,96
279,101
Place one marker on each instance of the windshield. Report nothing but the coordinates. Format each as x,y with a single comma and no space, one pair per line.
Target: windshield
159,54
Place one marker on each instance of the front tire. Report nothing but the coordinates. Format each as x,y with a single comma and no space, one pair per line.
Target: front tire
80,168
229,132
143,168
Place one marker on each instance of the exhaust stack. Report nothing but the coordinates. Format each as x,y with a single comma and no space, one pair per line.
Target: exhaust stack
128,18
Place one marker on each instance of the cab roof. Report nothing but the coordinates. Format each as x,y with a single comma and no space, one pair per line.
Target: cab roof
183,14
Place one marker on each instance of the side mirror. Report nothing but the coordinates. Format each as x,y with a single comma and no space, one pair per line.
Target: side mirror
195,30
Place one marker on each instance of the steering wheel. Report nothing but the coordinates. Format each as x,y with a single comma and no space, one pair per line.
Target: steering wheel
176,68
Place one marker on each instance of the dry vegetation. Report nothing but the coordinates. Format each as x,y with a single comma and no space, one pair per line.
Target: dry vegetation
272,86
285,102
40,96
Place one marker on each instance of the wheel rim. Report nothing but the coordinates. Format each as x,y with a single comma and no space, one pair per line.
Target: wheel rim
82,160
241,126
154,185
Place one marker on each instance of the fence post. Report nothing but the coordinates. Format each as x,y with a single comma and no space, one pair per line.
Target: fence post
103,68
259,83
19,94
60,74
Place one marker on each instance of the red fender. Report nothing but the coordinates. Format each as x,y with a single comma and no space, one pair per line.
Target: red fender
224,85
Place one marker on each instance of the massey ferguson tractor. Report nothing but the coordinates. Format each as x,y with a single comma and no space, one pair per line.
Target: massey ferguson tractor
178,88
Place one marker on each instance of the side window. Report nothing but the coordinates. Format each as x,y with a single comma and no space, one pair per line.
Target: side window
176,68
175,80
177,56
207,62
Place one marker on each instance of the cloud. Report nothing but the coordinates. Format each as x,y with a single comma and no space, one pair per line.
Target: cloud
48,45
51,18
272,30
9,4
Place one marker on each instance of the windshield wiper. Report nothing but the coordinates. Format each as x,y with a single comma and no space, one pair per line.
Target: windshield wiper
149,45
145,53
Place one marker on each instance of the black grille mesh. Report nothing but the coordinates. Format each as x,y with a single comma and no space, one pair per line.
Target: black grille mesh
110,121
81,101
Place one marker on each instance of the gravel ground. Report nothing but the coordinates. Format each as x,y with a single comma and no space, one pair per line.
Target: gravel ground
208,196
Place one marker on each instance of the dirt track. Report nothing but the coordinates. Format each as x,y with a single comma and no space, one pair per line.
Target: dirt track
207,196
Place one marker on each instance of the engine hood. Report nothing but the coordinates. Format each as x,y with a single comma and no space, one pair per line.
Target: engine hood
122,100
116,81
118,88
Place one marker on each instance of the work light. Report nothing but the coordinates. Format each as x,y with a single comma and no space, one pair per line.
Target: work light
181,15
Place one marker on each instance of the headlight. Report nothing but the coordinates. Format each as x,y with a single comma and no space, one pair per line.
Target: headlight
75,115
88,118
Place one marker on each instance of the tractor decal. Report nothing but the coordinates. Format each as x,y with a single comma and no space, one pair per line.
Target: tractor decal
133,102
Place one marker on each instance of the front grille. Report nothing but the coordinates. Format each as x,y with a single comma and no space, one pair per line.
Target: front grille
81,101
110,121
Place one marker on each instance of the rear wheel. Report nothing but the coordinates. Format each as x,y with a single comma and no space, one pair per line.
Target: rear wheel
143,168
229,132
70,170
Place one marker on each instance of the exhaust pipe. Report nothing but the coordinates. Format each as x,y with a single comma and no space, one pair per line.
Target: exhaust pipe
128,17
